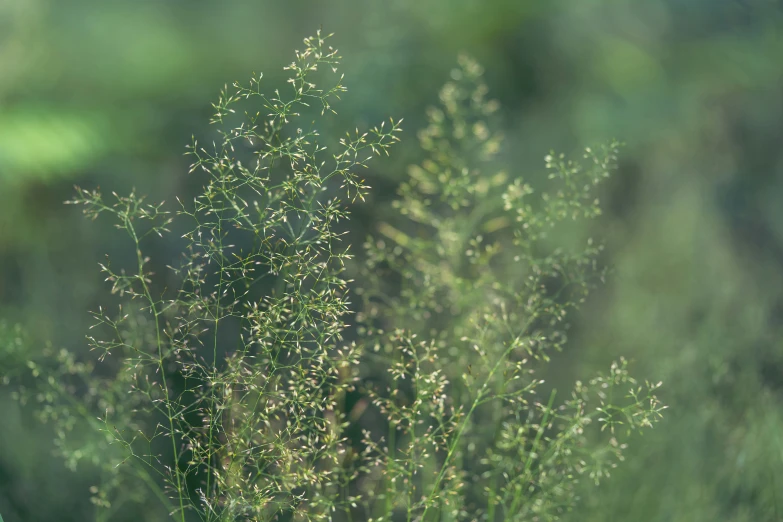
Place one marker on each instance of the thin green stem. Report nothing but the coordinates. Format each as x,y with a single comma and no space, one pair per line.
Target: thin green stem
532,453
159,342
213,421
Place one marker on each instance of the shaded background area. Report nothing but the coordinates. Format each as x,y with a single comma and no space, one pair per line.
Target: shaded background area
108,93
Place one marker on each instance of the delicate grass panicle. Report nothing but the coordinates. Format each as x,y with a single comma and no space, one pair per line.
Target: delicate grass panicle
244,394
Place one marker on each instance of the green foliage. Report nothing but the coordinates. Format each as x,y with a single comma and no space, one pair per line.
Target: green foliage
235,388
474,275
46,144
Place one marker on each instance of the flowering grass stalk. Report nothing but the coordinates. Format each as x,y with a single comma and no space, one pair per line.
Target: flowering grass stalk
246,394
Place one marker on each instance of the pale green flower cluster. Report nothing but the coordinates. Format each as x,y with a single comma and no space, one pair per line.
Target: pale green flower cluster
248,390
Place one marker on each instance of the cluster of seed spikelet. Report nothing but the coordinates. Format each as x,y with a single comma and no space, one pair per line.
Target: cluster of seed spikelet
239,396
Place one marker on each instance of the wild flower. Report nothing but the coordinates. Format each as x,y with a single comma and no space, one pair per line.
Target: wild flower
465,295
242,392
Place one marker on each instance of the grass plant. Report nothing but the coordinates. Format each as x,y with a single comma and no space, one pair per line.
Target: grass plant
248,384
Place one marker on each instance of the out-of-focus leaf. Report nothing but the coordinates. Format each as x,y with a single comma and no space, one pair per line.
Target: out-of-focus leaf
40,144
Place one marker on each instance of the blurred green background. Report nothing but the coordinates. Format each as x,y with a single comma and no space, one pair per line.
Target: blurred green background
108,93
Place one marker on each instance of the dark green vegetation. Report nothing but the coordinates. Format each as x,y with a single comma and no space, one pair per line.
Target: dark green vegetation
106,93
235,388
